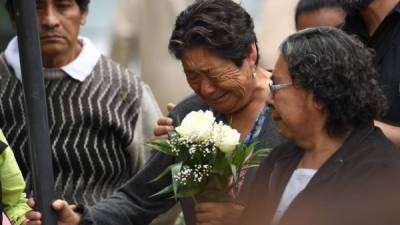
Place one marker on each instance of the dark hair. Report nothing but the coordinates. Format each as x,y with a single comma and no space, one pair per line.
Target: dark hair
83,5
354,7
305,6
338,69
221,26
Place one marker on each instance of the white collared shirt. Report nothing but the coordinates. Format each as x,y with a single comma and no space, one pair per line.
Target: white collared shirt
79,69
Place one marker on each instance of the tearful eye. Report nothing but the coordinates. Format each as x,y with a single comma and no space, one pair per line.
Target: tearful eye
63,6
191,76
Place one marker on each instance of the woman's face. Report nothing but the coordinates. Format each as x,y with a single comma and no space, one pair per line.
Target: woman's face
293,109
225,87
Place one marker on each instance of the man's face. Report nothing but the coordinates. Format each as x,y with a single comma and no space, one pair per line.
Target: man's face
331,17
59,24
354,7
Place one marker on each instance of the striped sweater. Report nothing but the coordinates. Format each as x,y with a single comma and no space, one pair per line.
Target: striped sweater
91,128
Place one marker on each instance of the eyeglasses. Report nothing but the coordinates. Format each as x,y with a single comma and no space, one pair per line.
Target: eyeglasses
275,87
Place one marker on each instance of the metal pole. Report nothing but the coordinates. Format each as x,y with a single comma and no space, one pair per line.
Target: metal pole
36,109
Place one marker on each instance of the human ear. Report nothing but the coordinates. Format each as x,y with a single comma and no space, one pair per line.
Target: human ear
252,54
316,103
83,19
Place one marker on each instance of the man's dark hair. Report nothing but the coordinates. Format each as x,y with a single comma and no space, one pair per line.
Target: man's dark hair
83,5
221,26
306,6
354,7
338,70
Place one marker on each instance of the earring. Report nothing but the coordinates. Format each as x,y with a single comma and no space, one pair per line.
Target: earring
254,72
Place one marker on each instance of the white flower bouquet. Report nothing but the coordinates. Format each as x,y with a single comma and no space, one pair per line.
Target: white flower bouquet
210,158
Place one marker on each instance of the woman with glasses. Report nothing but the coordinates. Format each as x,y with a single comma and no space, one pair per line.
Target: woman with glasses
338,167
216,44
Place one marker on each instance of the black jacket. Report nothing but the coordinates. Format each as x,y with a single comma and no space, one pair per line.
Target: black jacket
133,204
358,185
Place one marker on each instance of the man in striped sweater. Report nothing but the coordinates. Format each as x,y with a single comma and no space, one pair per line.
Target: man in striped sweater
94,106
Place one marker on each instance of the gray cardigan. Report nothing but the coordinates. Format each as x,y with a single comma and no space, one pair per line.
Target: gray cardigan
133,204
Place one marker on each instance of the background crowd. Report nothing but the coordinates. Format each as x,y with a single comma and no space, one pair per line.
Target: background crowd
330,106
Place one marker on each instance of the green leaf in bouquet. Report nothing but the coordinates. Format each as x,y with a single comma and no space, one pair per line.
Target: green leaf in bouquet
174,171
248,152
242,153
162,146
235,174
237,154
166,190
165,172
249,149
260,153
248,166
219,164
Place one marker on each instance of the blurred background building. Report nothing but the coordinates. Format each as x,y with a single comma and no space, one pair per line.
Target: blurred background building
275,23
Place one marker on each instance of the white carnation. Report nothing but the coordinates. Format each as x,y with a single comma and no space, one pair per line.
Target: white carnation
197,125
225,137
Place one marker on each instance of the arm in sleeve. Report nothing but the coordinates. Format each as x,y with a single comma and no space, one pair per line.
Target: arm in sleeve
12,185
133,203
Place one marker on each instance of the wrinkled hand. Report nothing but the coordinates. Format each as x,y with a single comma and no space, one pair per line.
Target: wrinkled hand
65,214
164,125
218,213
